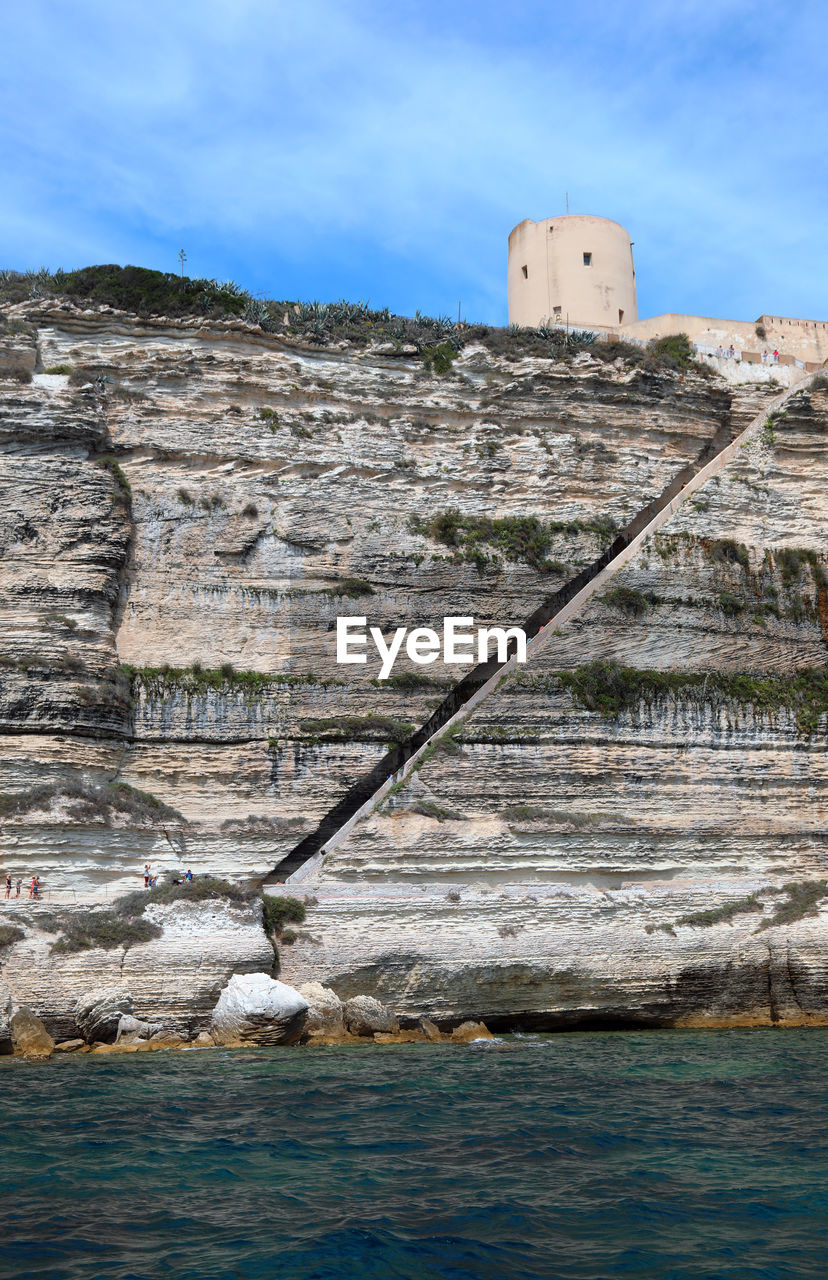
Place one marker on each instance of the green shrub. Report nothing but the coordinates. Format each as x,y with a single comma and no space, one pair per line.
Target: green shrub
135,289
791,561
87,801
516,537
163,681
185,497
439,359
124,487
804,897
730,605
352,587
412,681
200,889
251,511
9,934
611,689
277,912
721,914
430,809
727,551
356,729
85,930
59,368
675,351
628,600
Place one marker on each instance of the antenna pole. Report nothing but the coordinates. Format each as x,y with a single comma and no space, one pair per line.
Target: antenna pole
567,204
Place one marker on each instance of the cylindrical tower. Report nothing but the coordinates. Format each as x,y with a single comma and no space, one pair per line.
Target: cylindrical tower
576,270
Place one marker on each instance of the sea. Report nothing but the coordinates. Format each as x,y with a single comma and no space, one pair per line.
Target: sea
665,1155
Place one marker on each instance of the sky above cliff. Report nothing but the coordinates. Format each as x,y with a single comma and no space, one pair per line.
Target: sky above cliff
384,152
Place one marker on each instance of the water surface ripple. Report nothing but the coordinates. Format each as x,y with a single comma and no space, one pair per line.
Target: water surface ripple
666,1155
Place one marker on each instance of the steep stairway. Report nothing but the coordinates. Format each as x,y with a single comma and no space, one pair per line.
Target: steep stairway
558,608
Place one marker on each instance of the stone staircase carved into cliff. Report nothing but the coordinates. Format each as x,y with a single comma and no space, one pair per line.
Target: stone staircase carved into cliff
486,678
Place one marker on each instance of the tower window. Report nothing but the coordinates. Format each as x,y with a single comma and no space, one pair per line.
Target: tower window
587,259
620,316
525,271
556,311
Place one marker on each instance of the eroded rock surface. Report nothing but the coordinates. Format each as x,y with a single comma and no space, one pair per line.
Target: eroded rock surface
99,1013
29,1035
364,1016
179,533
254,1008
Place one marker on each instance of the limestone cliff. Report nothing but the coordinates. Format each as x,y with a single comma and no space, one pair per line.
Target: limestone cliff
186,507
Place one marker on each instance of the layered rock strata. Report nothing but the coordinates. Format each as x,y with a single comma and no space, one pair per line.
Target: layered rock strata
187,511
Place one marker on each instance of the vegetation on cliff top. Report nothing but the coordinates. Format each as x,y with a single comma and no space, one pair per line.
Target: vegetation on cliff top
437,340
611,689
123,924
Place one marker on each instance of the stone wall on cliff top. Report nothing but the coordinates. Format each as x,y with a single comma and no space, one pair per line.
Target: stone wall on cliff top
258,490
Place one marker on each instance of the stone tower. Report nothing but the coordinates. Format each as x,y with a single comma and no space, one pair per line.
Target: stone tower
576,270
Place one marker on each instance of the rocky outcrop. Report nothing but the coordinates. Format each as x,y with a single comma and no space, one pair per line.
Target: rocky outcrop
174,980
29,1036
98,1014
255,1009
471,1033
325,1010
365,1016
133,1029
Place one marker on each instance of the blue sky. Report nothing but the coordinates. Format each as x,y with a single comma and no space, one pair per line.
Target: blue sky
378,151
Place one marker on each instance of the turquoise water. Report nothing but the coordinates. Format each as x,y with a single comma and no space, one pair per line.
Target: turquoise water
662,1154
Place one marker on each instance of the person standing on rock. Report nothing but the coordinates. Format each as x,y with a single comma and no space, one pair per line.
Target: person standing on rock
147,870
34,888
19,886
8,885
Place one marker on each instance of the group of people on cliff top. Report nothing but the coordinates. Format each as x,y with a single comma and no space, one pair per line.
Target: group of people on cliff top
150,880
17,884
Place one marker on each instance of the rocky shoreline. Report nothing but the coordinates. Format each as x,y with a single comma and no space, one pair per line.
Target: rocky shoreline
253,1010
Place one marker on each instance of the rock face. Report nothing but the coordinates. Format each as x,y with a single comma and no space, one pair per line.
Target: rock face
30,1037
364,1016
256,1009
174,979
134,1029
325,1009
606,842
98,1013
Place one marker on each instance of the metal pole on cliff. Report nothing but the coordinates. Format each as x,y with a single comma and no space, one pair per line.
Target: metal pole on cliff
182,258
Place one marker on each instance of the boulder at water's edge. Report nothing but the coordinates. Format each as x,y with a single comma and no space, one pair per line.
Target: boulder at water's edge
256,1009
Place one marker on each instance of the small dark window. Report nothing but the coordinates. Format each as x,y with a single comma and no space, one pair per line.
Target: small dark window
587,259
620,316
525,271
556,311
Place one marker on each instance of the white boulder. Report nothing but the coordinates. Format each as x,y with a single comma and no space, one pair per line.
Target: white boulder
255,1009
325,1011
